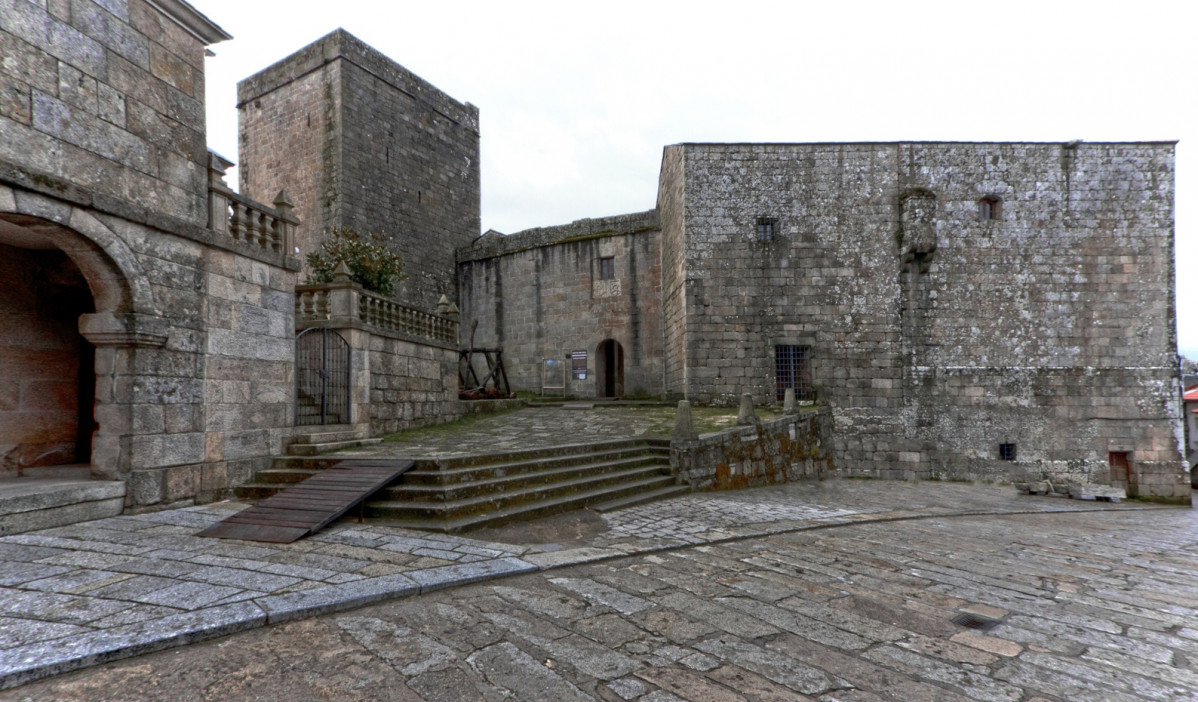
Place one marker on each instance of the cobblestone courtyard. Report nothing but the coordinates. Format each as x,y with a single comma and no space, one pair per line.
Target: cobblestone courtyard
842,591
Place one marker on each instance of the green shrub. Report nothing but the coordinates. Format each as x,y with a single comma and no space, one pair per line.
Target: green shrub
371,264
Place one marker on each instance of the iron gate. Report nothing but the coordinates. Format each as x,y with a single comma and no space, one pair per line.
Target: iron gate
322,365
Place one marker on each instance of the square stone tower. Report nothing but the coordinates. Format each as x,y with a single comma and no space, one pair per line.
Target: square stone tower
359,141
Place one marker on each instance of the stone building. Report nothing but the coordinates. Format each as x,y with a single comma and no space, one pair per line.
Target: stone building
968,310
359,141
149,316
141,334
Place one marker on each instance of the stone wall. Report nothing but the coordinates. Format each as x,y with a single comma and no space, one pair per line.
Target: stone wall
411,384
935,334
108,96
367,145
540,295
782,450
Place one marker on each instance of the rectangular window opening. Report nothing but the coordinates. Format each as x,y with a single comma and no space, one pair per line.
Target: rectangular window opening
607,268
792,369
1006,452
766,227
989,208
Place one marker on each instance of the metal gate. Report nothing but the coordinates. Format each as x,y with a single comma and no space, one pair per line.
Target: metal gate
322,365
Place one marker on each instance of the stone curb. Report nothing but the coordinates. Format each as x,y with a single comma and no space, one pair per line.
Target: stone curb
28,663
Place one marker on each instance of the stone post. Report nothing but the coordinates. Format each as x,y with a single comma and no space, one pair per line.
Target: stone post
684,425
746,416
788,402
286,224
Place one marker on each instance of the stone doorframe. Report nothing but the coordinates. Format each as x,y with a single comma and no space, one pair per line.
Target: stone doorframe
125,318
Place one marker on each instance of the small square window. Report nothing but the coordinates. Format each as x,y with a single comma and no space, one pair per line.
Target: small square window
989,208
1006,452
766,228
607,268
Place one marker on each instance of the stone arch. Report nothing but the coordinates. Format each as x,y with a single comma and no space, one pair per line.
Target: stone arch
609,369
117,280
122,315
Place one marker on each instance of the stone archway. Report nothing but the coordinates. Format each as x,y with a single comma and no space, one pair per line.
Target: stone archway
609,369
82,301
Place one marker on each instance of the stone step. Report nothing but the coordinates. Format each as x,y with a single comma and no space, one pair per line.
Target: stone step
641,498
316,449
327,433
30,503
635,479
501,484
73,471
528,510
451,462
436,474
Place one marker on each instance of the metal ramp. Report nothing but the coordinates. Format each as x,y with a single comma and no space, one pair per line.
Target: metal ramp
309,506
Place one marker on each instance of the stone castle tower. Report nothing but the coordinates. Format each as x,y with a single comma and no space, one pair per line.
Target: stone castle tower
359,141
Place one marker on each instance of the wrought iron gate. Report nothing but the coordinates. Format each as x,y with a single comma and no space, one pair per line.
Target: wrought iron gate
322,366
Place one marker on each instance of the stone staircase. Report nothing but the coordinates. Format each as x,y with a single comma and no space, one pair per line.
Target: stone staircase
452,494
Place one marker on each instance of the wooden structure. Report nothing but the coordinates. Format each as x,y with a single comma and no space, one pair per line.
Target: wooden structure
311,505
493,384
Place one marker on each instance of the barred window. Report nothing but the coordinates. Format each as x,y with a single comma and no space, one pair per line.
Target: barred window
792,369
766,227
1006,452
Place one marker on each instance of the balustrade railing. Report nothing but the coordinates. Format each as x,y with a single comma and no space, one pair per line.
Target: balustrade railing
343,303
244,220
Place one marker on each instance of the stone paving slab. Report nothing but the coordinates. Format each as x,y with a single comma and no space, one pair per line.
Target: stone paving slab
77,595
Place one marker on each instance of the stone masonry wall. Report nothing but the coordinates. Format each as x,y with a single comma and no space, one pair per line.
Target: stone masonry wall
936,335
783,450
374,147
411,384
671,205
108,96
538,295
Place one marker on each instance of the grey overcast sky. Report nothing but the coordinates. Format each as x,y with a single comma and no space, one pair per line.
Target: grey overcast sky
577,99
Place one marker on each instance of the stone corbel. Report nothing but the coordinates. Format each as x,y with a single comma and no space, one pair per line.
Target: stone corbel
108,329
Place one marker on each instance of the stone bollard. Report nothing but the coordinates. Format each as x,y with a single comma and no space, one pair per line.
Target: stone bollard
746,416
788,402
684,425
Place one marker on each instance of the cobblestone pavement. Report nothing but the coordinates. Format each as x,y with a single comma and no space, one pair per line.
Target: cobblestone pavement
530,428
1086,605
88,593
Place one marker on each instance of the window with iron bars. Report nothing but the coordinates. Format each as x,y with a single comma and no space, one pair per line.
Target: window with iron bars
766,227
1006,452
792,369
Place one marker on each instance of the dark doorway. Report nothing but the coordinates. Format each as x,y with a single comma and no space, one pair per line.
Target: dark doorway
609,365
1123,474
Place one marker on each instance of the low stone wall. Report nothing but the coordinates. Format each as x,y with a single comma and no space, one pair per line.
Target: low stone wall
794,447
411,384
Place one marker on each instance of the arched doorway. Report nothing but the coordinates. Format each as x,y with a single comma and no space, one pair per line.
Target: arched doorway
74,299
609,369
47,368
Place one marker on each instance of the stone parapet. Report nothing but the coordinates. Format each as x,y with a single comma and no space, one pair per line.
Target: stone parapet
344,304
494,244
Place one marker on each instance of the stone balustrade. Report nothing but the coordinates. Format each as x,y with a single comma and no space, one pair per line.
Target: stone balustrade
343,303
244,220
